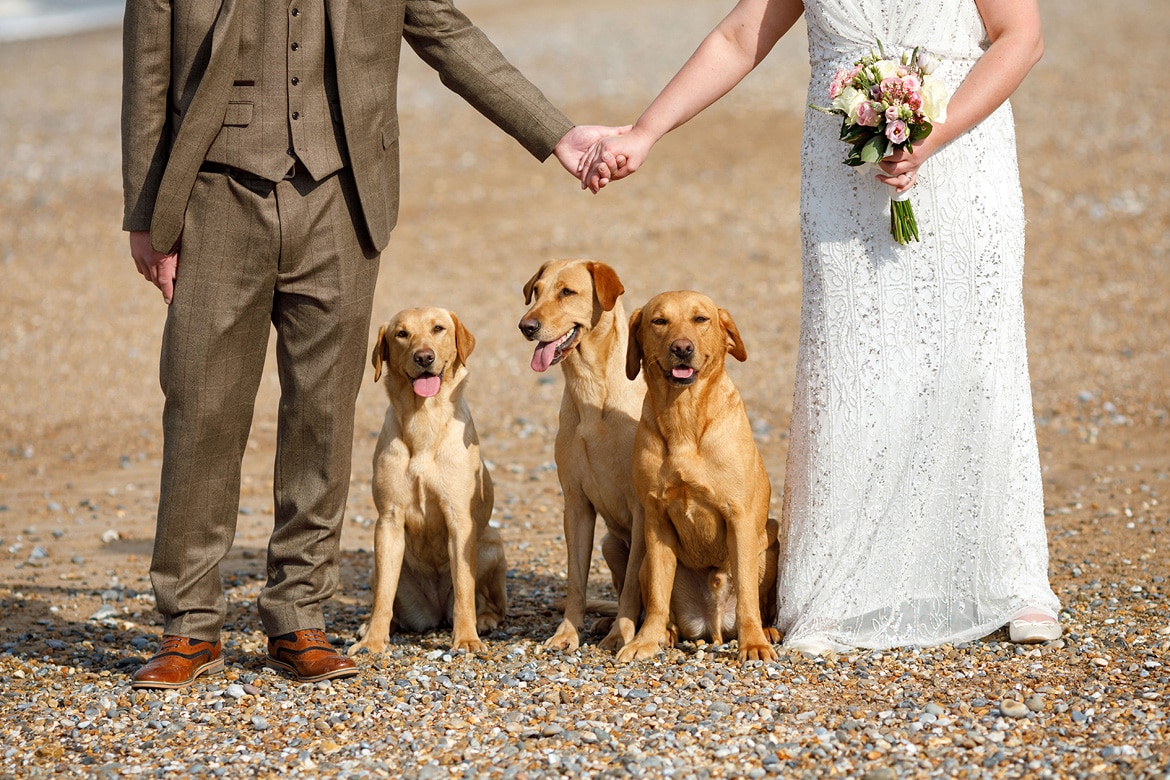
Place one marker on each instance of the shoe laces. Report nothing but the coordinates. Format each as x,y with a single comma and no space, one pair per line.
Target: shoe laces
316,636
170,643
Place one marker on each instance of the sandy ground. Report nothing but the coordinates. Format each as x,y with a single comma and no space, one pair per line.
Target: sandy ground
714,210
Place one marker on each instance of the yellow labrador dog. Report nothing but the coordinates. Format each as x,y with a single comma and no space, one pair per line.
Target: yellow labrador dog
578,322
711,550
437,561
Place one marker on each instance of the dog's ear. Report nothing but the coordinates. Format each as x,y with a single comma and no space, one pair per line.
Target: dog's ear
464,341
634,346
532,282
606,284
381,352
735,346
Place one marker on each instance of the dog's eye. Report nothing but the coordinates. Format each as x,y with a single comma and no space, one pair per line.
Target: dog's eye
438,329
402,334
660,321
566,292
701,319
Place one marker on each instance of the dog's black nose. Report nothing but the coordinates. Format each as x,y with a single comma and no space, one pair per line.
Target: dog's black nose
682,348
424,358
529,328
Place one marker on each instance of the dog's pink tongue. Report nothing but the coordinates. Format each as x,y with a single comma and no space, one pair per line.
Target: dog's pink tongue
543,355
427,386
682,372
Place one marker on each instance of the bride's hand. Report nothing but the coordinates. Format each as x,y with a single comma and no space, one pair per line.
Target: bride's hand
613,158
901,168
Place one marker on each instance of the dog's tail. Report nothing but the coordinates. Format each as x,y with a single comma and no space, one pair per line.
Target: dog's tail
603,607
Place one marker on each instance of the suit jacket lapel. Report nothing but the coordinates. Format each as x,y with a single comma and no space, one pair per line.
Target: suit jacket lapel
335,10
203,119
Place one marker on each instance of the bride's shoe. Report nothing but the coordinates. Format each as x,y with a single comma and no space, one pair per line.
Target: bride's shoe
811,646
1032,627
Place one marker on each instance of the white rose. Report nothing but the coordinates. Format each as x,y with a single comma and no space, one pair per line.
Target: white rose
848,101
886,69
935,97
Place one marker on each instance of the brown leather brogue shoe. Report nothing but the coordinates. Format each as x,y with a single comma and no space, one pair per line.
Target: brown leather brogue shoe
308,656
177,662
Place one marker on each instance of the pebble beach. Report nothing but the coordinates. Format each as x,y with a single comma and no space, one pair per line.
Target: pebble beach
715,209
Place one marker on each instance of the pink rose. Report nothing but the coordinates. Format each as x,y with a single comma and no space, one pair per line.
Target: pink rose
914,101
893,113
869,113
840,79
898,132
911,84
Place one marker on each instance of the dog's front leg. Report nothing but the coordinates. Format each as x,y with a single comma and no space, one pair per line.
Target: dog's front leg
461,551
630,599
580,521
657,579
769,571
389,547
743,546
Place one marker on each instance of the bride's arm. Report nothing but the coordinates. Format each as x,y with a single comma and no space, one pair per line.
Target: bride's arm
729,52
1013,26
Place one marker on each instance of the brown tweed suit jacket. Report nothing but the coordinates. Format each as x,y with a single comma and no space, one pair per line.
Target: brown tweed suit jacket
181,58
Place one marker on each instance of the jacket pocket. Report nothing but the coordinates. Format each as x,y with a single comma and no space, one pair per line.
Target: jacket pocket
390,133
239,113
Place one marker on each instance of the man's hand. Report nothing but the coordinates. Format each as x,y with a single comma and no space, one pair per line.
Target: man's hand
571,149
614,158
158,268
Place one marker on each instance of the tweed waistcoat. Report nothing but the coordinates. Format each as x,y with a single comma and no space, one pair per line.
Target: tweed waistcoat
283,103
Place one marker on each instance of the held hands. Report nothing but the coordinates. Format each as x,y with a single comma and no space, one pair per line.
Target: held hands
156,267
613,158
574,145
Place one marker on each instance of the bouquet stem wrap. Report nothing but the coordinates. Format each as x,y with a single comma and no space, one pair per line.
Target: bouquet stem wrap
903,226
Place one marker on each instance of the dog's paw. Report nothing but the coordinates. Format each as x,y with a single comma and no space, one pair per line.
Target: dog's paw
602,626
565,639
773,635
621,633
756,651
639,650
488,622
470,645
367,643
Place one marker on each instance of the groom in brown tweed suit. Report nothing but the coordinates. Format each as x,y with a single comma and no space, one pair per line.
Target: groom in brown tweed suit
260,168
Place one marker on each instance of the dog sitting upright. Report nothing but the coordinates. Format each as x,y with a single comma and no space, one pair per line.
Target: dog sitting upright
577,320
711,550
437,561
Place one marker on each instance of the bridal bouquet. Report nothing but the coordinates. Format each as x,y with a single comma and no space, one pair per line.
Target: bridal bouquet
888,104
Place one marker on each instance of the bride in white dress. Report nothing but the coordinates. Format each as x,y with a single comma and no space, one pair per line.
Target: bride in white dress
913,509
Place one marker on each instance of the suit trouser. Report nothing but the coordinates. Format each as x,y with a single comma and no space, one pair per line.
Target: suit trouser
257,256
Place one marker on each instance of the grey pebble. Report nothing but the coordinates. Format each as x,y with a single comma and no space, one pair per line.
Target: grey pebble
1010,708
103,612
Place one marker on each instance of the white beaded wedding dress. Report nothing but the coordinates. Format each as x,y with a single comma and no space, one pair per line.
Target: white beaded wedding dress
913,508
